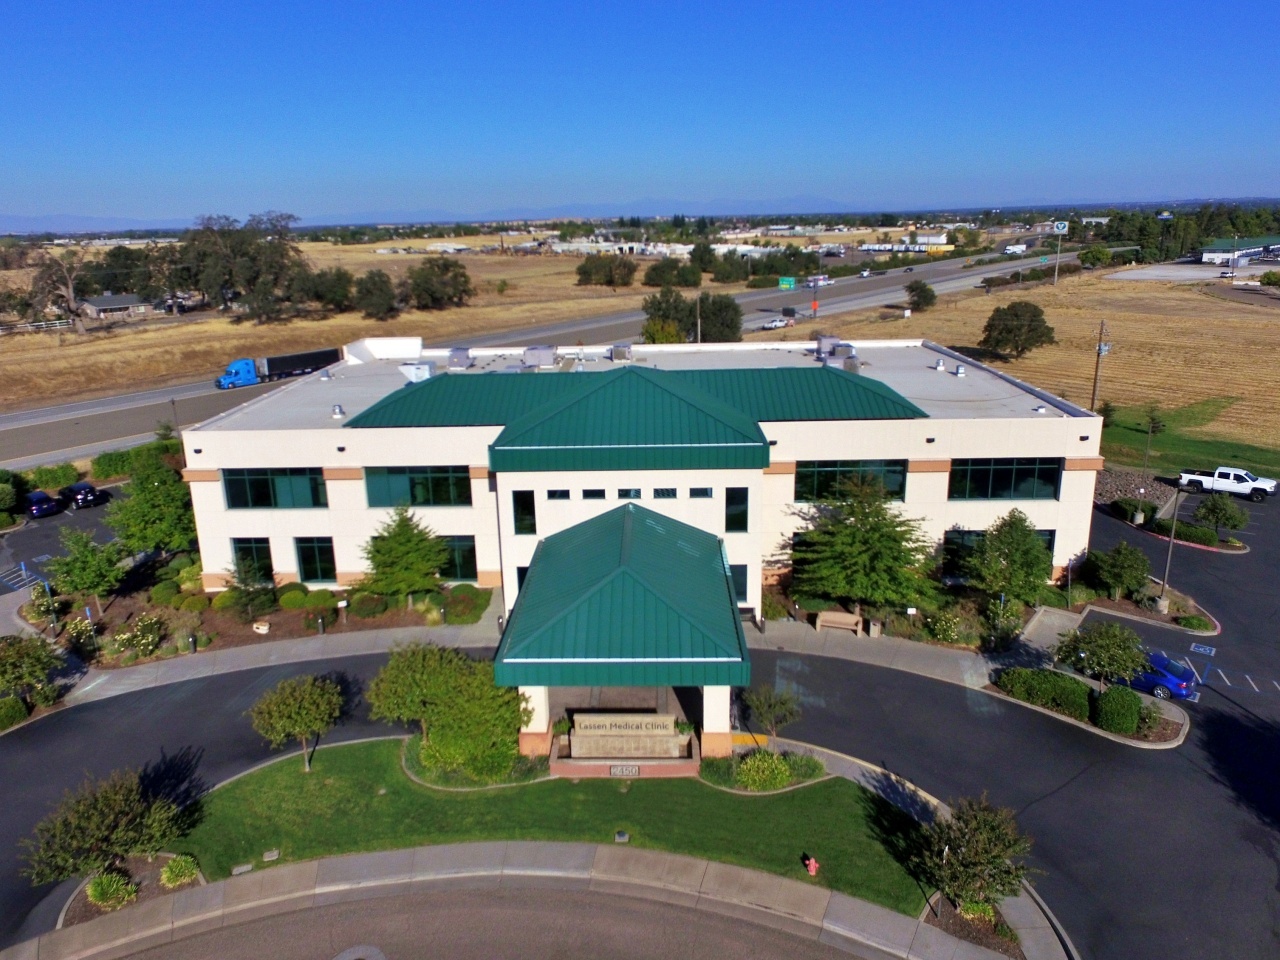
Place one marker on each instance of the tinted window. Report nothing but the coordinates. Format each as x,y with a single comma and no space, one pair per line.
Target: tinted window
592,494
461,564
524,511
700,493
1009,478
418,486
315,560
629,493
664,493
557,494
821,479
286,488
735,510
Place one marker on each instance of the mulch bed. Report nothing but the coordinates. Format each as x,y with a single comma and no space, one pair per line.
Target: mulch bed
945,917
145,875
1134,610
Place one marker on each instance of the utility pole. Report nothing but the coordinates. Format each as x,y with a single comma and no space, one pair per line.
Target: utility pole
1173,535
1103,349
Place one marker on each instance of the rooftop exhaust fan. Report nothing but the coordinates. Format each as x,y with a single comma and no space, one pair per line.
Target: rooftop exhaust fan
338,412
959,369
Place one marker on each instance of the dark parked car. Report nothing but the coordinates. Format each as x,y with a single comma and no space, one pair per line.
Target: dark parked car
80,495
40,504
1165,678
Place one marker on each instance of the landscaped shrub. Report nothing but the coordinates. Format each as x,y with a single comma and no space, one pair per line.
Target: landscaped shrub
318,615
113,463
1126,507
180,562
1189,532
51,478
772,607
765,282
1047,688
366,605
8,497
12,710
1117,710
178,871
1194,622
226,600
164,591
6,520
111,891
720,771
292,600
803,766
196,604
146,636
944,627
191,580
294,587
322,600
464,603
763,770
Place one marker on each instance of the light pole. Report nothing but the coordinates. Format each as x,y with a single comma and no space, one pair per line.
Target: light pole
1173,535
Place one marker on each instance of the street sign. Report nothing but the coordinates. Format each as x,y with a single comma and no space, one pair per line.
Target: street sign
1201,648
1061,226
1044,259
786,283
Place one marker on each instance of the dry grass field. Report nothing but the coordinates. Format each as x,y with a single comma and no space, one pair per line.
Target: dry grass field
37,369
1171,344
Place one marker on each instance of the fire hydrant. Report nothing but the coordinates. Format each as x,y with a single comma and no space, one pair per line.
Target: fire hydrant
812,866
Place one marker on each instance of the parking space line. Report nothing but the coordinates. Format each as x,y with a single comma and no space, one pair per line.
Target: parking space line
1191,667
1251,683
1224,678
1276,684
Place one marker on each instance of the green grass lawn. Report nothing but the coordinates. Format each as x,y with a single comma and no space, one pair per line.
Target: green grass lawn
358,798
1174,450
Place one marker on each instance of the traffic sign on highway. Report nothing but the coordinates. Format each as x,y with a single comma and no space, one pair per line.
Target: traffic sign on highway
786,283
1061,226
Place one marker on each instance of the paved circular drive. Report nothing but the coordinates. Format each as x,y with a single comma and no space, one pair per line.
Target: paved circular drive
490,924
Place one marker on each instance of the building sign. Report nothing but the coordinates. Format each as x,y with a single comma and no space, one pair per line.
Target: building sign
645,724
624,770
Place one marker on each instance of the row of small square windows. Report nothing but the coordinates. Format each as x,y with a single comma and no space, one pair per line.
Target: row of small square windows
633,493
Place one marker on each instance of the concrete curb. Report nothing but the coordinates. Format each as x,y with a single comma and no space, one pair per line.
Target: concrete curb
1088,607
801,909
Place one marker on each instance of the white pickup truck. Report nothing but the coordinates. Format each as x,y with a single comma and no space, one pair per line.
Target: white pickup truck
1228,480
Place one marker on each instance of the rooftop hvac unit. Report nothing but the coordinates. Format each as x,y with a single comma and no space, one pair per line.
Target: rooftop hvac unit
851,365
827,344
460,358
620,353
959,369
844,350
540,356
940,365
417,372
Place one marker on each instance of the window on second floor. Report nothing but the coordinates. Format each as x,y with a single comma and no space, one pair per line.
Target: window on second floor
418,486
1008,478
735,510
280,488
821,479
524,511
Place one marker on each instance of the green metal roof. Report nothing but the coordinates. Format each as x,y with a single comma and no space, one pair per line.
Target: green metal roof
629,598
636,417
631,419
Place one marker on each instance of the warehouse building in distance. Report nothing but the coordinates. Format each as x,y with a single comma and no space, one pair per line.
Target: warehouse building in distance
523,459
1237,251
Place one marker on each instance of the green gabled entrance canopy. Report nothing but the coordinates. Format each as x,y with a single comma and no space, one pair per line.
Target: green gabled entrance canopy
631,419
629,598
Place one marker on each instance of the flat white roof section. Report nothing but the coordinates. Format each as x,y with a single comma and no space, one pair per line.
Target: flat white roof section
923,372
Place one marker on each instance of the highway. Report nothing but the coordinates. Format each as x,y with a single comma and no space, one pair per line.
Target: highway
70,431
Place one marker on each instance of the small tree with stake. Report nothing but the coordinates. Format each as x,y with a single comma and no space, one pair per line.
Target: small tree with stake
920,295
1106,651
1122,569
772,709
300,708
973,856
87,567
1219,510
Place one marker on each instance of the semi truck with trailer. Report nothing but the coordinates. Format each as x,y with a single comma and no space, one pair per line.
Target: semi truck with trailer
247,371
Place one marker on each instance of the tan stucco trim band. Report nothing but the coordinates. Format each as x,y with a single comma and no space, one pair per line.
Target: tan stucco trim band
1083,463
344,473
201,476
928,466
786,466
479,473
488,578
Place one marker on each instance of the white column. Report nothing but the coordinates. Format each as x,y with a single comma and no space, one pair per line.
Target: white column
715,710
537,699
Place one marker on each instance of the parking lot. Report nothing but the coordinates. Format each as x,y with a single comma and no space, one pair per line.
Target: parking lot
1243,662
24,552
1192,272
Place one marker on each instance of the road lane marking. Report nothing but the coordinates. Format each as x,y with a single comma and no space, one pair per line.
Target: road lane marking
1251,683
1224,677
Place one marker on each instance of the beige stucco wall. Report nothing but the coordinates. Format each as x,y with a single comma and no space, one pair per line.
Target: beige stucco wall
773,516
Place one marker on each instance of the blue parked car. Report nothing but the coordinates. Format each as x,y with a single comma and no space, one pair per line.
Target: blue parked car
1165,678
40,504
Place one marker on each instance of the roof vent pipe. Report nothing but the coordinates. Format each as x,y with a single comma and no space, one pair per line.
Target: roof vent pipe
325,374
959,369
338,412
1042,409
940,364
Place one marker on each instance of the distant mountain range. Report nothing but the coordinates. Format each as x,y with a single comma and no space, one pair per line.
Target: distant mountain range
650,207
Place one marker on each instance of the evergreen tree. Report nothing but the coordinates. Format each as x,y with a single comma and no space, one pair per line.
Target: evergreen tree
404,557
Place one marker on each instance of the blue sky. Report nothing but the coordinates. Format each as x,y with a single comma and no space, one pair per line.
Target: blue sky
169,110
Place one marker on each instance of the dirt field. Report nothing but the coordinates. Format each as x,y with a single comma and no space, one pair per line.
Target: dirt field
53,367
1171,344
